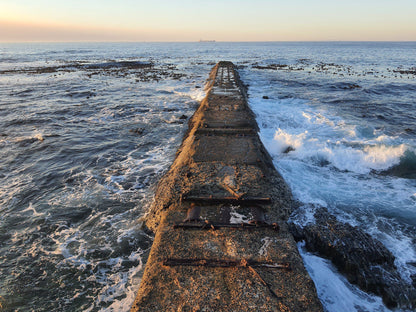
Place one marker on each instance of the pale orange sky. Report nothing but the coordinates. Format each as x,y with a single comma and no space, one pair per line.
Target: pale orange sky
226,20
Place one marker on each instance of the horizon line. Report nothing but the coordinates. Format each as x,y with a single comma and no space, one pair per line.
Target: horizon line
196,41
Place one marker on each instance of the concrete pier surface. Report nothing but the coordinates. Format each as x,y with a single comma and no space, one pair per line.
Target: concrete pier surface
221,241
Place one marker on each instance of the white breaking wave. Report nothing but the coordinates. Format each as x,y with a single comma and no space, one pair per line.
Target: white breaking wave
329,161
335,292
196,94
359,159
290,125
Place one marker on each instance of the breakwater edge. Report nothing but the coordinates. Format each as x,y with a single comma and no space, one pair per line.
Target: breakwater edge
221,242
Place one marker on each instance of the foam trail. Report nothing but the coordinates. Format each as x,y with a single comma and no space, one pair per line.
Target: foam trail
31,208
335,292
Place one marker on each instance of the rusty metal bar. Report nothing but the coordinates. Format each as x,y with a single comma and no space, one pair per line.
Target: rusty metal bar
228,199
208,225
225,131
220,263
255,273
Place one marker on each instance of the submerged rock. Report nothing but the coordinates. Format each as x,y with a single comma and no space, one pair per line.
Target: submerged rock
364,260
138,131
289,149
270,66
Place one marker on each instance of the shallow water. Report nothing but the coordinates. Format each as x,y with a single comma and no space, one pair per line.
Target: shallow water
85,137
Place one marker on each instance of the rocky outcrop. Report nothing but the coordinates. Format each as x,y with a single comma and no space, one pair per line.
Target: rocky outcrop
364,260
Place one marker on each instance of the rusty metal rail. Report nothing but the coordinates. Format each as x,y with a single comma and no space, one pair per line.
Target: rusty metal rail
225,131
206,225
219,263
228,200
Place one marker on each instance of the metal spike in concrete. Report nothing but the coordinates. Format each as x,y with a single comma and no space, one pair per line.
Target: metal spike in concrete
221,241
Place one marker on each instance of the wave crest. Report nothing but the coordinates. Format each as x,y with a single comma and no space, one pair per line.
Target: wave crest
360,158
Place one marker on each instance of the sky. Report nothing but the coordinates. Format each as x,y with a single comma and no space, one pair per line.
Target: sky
221,20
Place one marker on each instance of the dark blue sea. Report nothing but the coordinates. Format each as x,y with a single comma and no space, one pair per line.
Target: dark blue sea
88,129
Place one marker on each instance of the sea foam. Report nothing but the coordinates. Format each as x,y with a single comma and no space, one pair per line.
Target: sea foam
335,292
311,135
343,165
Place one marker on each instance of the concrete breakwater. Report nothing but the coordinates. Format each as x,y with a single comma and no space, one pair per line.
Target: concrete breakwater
222,243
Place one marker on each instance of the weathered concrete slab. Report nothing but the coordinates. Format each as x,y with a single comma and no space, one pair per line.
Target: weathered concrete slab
229,149
228,119
223,103
207,255
213,178
227,289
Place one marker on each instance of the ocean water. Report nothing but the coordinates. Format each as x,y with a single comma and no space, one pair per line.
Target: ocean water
87,130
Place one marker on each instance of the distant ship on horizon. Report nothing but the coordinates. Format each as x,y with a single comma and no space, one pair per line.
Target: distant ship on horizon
201,40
